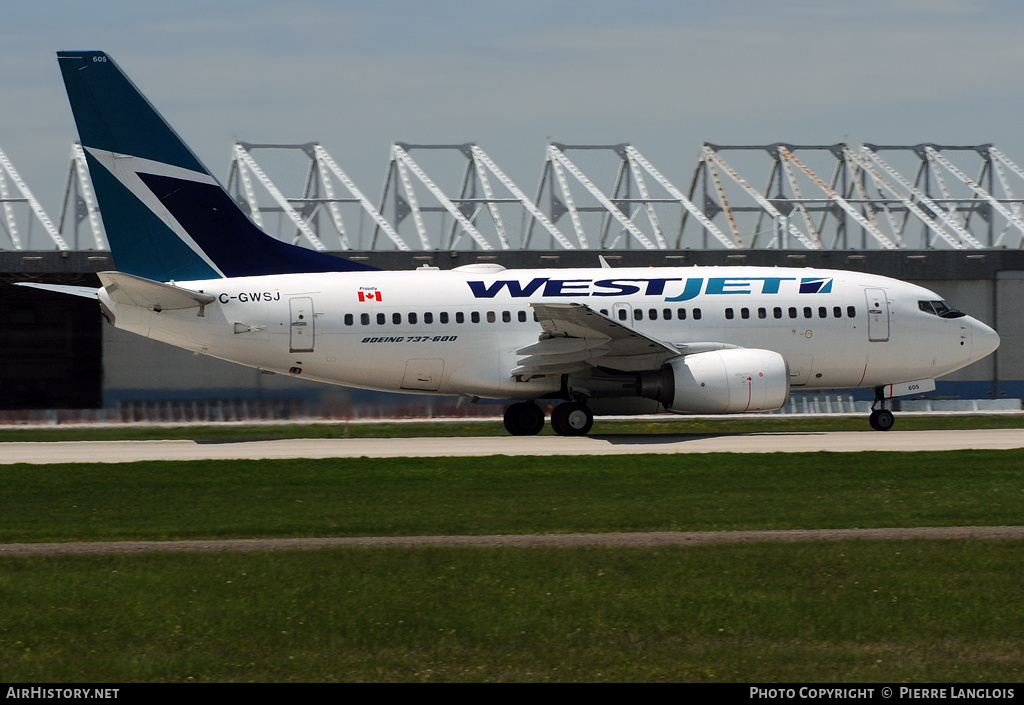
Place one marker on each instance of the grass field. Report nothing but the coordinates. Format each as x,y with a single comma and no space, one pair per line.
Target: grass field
917,611
490,495
845,611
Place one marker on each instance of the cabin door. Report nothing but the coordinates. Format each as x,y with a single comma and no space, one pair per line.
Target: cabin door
303,329
878,315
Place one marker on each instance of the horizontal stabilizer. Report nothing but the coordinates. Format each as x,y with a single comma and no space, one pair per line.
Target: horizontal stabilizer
87,292
129,290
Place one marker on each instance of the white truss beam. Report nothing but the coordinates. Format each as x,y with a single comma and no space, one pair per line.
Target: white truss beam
1000,160
246,160
324,160
879,236
481,158
558,159
712,156
949,219
88,196
636,158
978,190
405,162
26,196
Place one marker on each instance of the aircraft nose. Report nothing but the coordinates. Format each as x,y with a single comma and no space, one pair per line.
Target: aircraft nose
984,340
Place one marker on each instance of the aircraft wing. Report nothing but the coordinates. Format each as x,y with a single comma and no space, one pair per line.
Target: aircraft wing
577,336
130,290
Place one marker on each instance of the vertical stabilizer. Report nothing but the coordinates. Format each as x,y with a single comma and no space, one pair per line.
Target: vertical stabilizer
165,214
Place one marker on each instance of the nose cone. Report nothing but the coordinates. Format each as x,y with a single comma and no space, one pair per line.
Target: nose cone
984,340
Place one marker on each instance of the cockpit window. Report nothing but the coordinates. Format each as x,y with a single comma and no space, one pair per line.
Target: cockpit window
939,308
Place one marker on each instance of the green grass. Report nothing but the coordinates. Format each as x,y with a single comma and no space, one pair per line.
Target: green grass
842,611
668,425
867,611
427,496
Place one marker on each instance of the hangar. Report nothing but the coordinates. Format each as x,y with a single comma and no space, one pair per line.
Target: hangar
906,211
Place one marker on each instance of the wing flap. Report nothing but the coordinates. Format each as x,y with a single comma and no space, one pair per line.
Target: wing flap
576,336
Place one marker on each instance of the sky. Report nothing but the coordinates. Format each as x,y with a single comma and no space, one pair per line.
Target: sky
662,75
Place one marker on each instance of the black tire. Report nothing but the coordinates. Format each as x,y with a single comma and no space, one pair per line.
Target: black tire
572,419
873,421
884,420
524,419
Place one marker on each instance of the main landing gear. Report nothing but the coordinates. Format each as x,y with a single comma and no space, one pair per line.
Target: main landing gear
881,419
571,418
524,419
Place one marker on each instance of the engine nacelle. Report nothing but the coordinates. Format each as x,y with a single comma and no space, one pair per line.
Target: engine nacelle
727,382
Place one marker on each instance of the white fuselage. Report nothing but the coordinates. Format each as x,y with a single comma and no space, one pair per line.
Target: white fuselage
457,331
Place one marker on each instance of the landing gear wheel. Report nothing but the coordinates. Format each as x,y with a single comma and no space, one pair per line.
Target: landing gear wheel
882,420
572,418
524,419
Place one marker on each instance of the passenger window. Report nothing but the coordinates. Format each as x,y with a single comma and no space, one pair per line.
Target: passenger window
604,311
851,311
822,312
381,319
762,313
837,311
396,318
729,313
443,316
349,320
744,313
808,313
412,318
474,317
622,314
536,318
522,316
653,314
460,317
792,311
777,312
638,314
428,318
506,317
696,314
491,318
364,319
681,313
667,314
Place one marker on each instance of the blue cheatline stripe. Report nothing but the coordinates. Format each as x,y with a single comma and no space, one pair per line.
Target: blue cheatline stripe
113,115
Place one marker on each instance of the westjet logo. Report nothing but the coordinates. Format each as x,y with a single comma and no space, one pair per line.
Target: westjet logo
685,290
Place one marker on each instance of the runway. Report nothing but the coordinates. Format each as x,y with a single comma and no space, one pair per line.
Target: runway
843,442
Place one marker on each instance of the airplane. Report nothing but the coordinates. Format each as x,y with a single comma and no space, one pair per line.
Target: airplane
195,272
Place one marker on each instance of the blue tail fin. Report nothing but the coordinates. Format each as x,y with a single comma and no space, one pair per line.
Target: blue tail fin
165,214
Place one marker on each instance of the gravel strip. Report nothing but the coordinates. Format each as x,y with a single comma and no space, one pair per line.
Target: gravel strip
646,539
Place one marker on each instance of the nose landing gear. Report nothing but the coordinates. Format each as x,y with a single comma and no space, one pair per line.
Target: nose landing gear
881,419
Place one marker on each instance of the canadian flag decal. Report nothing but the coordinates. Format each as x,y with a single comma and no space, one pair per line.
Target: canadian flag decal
370,296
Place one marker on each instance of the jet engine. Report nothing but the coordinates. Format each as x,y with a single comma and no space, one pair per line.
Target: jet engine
725,382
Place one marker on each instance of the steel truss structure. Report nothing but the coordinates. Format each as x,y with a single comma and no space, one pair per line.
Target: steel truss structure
865,202
605,197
